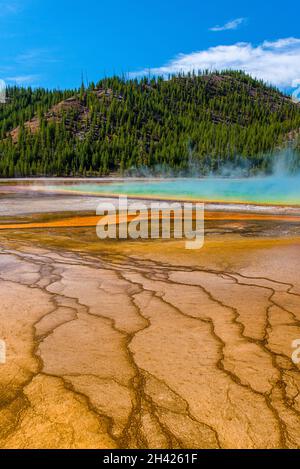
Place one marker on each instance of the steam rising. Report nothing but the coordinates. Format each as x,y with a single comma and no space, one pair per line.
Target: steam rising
282,163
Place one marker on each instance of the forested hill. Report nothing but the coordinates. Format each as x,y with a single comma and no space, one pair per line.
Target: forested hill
184,124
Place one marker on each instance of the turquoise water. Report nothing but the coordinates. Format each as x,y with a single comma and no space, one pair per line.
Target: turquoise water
264,190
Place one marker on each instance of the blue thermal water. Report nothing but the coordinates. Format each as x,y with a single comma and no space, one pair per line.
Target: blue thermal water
264,190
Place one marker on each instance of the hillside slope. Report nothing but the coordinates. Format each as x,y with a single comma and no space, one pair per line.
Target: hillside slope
187,123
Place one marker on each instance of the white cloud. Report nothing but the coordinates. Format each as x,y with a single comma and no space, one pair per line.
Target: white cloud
233,24
281,43
276,62
22,79
35,57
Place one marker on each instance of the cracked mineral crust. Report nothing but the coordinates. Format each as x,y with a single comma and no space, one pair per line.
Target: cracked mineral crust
148,345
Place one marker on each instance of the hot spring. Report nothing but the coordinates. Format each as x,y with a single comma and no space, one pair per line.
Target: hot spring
283,191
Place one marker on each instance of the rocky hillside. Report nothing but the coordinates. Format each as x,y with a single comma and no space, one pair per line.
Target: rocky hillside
184,124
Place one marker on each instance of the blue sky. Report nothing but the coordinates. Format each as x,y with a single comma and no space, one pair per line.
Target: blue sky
52,43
